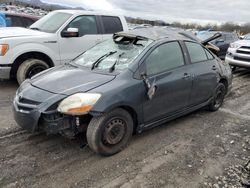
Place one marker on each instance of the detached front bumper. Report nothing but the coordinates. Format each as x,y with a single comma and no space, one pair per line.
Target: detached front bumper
5,72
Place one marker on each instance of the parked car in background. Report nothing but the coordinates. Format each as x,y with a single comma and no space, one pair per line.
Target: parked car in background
222,42
55,39
238,54
19,20
133,82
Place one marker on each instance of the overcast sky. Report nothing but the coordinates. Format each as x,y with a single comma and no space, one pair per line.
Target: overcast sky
201,11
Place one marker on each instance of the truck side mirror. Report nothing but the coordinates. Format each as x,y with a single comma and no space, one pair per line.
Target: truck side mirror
71,32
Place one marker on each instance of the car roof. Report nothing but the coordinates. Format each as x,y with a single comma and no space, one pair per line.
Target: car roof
222,32
85,12
158,33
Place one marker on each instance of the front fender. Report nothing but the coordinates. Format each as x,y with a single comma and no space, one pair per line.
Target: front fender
51,51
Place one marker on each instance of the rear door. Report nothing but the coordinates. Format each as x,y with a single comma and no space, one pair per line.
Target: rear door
165,68
89,35
204,68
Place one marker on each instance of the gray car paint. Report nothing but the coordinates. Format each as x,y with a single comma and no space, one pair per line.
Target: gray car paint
127,89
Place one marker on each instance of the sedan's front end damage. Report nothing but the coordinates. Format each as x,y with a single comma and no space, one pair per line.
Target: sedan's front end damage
43,118
37,110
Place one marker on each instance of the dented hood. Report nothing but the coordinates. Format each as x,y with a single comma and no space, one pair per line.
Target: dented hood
68,80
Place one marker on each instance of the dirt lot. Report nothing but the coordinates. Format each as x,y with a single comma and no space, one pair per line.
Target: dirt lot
202,149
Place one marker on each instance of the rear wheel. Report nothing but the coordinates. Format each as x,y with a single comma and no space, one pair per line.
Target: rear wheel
218,97
110,133
30,68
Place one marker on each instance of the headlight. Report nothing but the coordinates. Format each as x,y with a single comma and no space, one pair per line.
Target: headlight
234,45
3,49
78,104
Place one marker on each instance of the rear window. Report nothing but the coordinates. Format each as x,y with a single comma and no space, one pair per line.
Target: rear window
111,24
196,52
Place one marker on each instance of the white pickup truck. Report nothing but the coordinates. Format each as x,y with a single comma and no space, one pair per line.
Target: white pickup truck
55,39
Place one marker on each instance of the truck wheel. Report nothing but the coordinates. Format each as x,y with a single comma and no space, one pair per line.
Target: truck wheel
110,133
29,68
218,97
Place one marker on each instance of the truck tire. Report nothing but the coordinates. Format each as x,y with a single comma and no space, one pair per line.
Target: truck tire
218,97
29,68
110,133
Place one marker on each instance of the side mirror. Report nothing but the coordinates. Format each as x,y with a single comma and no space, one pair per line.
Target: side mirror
71,32
151,87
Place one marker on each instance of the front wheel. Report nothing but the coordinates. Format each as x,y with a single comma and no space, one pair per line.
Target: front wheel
110,133
30,68
218,97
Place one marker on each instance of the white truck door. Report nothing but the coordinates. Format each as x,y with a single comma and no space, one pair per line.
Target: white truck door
89,35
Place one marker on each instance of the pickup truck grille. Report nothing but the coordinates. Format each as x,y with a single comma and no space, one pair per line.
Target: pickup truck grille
244,50
242,59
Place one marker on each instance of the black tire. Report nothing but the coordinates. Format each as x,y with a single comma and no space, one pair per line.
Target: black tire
218,97
29,68
102,136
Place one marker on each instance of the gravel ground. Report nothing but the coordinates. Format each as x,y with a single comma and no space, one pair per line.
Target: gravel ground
202,149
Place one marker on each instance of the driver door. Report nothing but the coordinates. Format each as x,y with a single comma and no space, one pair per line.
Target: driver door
166,69
89,35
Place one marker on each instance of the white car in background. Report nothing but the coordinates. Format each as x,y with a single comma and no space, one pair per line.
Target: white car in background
238,54
55,39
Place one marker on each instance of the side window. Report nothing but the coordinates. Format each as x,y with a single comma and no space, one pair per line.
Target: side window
27,22
163,58
209,55
111,24
85,24
196,52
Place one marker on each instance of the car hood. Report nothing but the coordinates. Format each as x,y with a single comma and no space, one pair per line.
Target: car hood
243,42
68,80
9,32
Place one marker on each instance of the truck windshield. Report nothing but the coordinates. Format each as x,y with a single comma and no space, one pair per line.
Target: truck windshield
51,22
129,48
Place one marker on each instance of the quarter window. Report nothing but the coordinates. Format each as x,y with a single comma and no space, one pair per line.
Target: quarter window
209,55
196,52
86,25
164,58
111,24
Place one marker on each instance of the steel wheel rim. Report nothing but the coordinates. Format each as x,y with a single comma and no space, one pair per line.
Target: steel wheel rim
114,131
218,98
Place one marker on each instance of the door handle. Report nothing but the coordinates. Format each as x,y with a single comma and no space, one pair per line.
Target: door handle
186,76
214,67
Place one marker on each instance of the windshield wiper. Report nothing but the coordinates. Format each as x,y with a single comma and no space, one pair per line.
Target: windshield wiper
112,68
99,60
35,28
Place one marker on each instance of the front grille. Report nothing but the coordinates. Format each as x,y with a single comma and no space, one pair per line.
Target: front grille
245,47
28,101
242,59
244,50
25,105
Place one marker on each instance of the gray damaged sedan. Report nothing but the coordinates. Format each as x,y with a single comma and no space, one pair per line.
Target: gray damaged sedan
135,81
